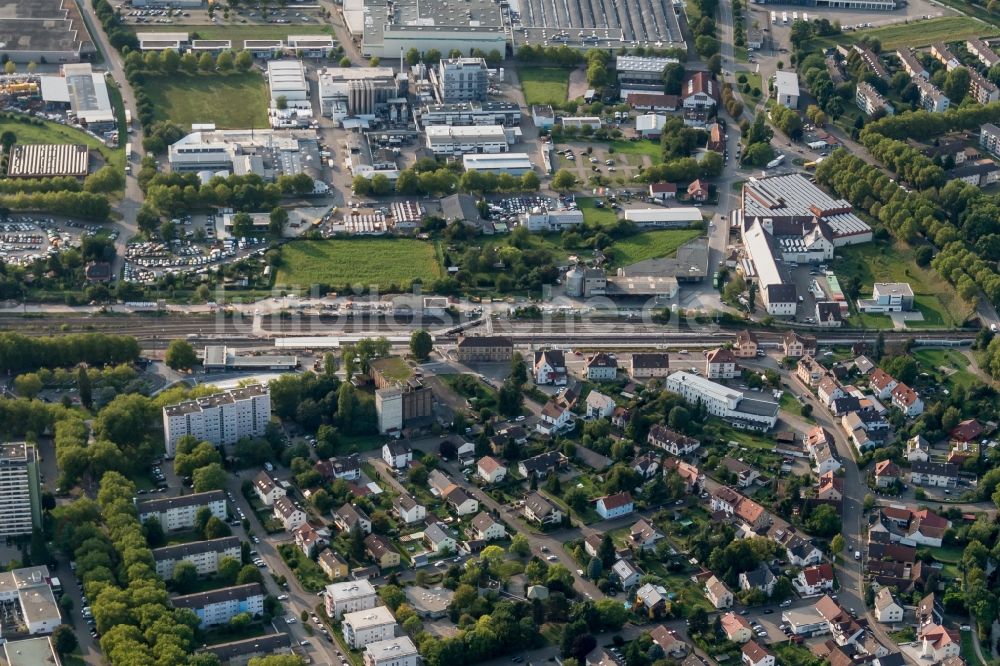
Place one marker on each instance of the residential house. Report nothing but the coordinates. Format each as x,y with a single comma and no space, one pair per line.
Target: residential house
332,564
409,510
820,446
746,345
796,346
929,611
539,510
347,517
647,465
554,418
828,390
802,553
938,643
643,536
310,539
461,503
487,528
599,406
663,191
550,367
809,371
744,473
397,454
698,191
968,430
392,652
380,550
918,449
439,483
645,366
347,468
698,91
291,516
830,488
438,539
752,514
491,470
689,473
886,473
542,465
760,578
592,544
736,627
939,475
814,579
628,574
600,367
907,401
755,654
864,365
673,647
670,441
267,489
718,593
882,383
615,506
720,364
725,499
887,609
362,628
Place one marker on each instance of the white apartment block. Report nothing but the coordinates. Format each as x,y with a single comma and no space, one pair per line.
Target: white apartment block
222,418
989,138
204,555
462,139
394,652
350,596
724,402
220,606
178,513
20,490
368,626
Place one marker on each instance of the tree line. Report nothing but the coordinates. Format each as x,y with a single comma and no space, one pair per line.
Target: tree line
21,353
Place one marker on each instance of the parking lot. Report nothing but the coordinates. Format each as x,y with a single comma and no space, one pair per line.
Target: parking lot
599,162
146,261
25,239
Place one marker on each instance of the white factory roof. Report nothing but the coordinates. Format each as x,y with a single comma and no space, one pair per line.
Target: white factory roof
650,121
373,617
706,386
54,89
458,131
310,40
642,63
787,196
164,37
786,83
350,589
286,75
759,247
497,161
650,215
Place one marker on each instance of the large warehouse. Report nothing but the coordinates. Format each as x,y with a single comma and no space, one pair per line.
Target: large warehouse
39,31
267,153
86,94
47,160
287,78
391,27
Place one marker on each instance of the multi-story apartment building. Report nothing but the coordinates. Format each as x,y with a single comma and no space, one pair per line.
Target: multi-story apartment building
871,102
364,627
350,597
989,138
983,90
20,490
931,99
220,606
178,513
485,349
462,80
204,555
724,402
393,652
222,418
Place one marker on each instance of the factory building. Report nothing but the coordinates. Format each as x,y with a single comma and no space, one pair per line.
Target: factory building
44,31
267,153
46,160
640,74
507,114
287,78
359,91
514,164
461,80
391,27
84,92
462,139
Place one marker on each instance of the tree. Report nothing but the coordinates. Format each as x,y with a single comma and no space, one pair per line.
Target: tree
224,62
242,225
189,63
170,61
64,640
180,355
802,32
216,529
243,61
185,575
209,477
8,139
679,417
421,344
229,568
345,62
606,551
715,64
278,219
837,544
519,545
249,574
824,521
412,57
563,181
281,102
956,85
9,67
206,63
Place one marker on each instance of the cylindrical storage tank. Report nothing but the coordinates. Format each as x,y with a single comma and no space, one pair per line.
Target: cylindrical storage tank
574,282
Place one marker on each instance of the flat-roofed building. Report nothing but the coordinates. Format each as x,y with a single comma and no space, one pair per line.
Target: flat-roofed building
514,164
507,114
178,513
47,160
393,652
86,93
20,490
238,653
664,218
641,73
158,41
461,80
786,89
44,31
31,589
364,627
356,91
287,79
264,48
390,28
726,403
30,652
349,597
269,153
462,139
311,46
221,418
216,607
888,297
220,358
204,555
211,46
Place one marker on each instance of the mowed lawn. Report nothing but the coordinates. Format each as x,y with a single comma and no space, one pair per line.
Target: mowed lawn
544,85
918,33
49,132
885,262
594,215
365,261
651,245
651,149
237,33
232,101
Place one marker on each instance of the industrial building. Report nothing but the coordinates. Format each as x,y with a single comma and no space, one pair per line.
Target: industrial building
158,41
460,80
786,89
664,218
45,160
31,589
267,153
403,405
211,46
360,91
364,160
606,25
264,48
20,490
873,5
287,79
470,113
221,358
728,404
30,652
514,164
221,418
311,46
544,218
641,74
461,139
391,27
44,31
84,92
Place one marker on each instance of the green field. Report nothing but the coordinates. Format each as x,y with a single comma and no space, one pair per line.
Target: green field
366,261
544,85
918,33
231,101
882,262
651,245
955,364
650,149
594,215
49,132
237,33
